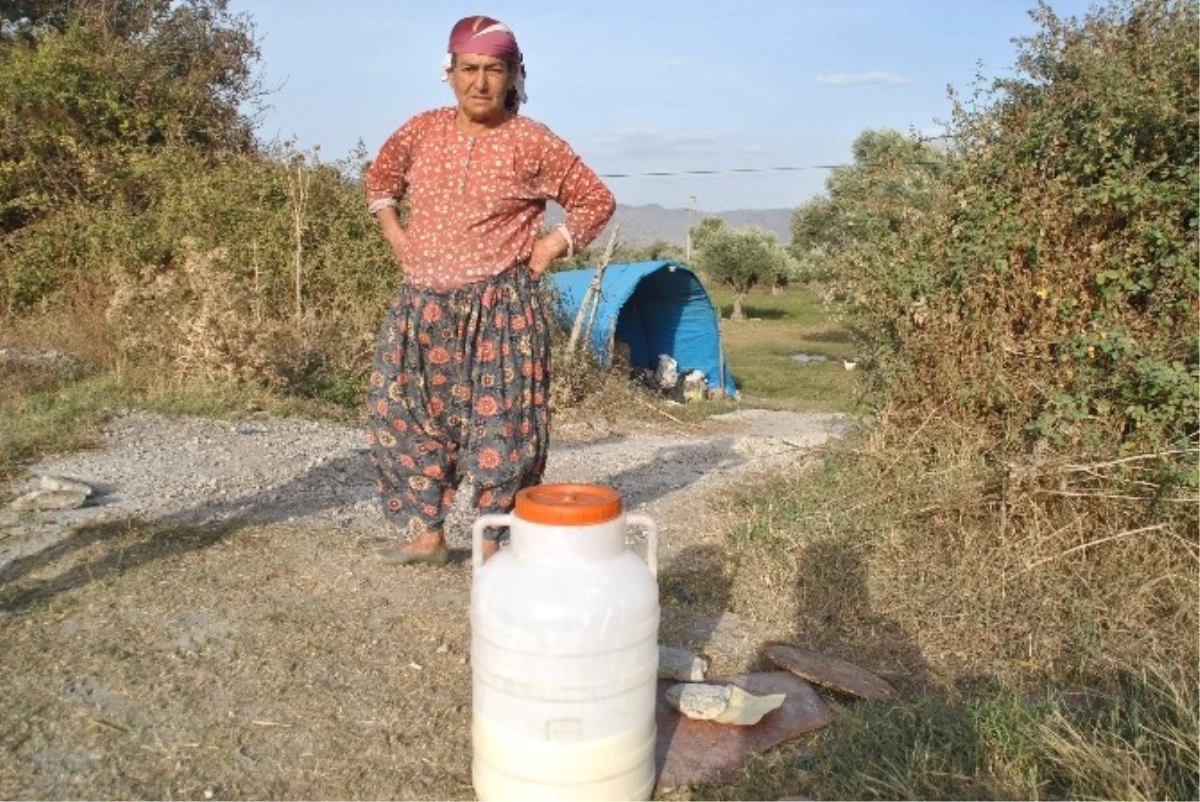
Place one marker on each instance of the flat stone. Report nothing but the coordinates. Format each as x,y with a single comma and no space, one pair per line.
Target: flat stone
44,500
690,752
49,482
827,671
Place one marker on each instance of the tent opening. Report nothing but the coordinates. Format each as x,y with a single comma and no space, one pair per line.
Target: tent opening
653,309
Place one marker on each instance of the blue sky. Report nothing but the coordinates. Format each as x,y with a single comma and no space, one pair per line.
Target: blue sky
650,85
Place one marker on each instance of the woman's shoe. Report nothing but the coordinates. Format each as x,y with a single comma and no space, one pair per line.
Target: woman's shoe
398,555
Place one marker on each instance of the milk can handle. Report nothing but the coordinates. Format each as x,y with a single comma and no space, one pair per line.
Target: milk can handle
481,523
647,523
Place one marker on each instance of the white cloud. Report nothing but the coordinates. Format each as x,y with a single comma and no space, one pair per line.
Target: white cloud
872,78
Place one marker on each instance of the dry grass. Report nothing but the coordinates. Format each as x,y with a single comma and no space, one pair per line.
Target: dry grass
1055,572
197,320
153,662
1133,739
973,589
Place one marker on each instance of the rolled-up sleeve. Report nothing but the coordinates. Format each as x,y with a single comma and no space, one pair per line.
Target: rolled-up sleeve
563,176
384,181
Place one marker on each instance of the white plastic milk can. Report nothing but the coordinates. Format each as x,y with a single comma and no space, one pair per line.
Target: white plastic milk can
564,650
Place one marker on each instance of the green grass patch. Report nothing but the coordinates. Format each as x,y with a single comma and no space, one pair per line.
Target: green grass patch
45,411
762,350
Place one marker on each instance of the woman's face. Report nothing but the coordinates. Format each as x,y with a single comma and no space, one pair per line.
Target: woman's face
481,84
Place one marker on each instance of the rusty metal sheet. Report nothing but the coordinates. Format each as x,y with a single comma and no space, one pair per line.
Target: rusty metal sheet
690,752
828,671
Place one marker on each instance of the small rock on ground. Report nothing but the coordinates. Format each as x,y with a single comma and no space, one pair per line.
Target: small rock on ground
680,664
829,671
49,482
46,500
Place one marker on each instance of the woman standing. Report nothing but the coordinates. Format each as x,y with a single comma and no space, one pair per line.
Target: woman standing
460,381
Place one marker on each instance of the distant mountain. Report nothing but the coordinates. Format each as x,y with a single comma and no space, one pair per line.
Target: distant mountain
641,225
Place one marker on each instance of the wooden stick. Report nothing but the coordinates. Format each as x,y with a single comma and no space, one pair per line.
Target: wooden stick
591,295
1134,458
598,280
662,412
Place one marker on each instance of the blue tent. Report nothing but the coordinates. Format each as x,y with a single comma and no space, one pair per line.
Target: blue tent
654,307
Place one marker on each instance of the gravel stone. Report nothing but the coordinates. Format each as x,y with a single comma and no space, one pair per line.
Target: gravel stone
318,474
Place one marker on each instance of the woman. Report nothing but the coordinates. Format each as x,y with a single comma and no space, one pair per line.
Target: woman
460,381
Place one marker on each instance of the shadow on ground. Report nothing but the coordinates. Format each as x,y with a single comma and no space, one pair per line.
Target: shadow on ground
337,483
755,312
835,615
694,592
127,546
674,468
131,543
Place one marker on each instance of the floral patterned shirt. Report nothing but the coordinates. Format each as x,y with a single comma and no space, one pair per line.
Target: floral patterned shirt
476,204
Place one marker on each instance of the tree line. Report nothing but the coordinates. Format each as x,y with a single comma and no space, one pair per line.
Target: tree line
1035,272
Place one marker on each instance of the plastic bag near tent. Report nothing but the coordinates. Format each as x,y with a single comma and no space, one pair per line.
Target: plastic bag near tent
655,308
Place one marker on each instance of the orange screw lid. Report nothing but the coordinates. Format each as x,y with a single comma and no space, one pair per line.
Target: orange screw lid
569,504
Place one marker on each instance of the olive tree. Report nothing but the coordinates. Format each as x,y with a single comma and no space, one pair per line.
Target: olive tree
740,258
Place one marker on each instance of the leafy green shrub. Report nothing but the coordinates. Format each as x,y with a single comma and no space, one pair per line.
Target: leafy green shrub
1027,310
108,85
1058,279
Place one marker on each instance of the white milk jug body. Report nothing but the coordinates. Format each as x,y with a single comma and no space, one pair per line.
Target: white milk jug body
564,653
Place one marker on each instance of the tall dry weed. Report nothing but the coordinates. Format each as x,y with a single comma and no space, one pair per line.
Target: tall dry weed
934,565
195,320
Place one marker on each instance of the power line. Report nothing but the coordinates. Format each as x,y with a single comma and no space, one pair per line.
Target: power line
736,170
662,173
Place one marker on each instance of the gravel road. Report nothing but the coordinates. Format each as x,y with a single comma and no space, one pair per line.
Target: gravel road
317,474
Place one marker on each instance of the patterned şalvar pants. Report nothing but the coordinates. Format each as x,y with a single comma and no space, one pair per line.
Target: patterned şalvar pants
459,390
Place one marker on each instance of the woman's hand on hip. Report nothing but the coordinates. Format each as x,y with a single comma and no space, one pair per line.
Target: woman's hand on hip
545,251
399,247
393,232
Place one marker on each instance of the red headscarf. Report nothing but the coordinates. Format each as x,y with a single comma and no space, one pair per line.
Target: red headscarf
485,36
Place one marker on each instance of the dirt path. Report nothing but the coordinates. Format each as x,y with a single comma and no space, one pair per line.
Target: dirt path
213,627
313,474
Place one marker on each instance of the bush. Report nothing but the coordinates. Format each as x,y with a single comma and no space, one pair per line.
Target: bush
1027,496
142,192
1050,299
